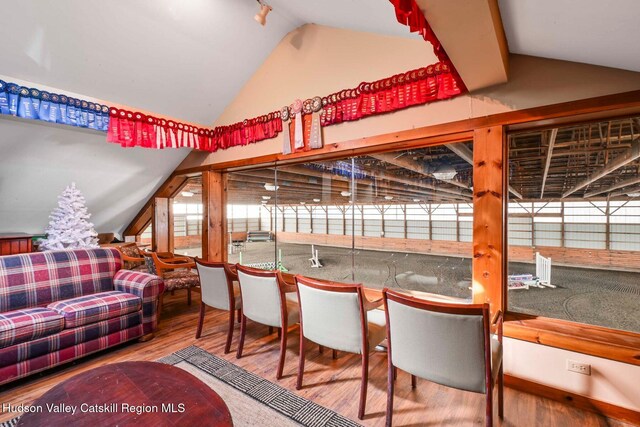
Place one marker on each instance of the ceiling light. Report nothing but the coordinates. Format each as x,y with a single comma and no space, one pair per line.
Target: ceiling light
303,203
186,194
266,197
316,200
633,194
264,202
388,197
261,17
445,173
416,200
271,187
345,193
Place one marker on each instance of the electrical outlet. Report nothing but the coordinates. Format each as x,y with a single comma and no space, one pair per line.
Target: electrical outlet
579,367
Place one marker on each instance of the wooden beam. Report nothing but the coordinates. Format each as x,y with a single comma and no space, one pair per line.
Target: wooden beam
621,184
489,209
552,140
214,216
160,230
630,154
467,155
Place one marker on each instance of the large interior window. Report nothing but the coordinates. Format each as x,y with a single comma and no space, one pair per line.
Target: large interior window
401,219
187,218
574,223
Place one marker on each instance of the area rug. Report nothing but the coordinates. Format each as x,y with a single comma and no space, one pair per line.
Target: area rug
252,400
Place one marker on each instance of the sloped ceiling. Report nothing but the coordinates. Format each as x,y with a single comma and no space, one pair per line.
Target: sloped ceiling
589,31
38,161
183,58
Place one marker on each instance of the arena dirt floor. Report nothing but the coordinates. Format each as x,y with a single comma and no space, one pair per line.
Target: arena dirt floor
592,296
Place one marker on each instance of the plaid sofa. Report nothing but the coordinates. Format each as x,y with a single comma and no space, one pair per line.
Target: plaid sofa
58,306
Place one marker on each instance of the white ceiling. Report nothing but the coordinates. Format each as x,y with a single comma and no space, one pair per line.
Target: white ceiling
182,58
595,32
39,160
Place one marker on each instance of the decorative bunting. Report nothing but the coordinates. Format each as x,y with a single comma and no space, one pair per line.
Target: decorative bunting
408,13
35,104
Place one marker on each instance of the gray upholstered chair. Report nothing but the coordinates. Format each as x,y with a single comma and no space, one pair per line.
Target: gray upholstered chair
447,343
339,316
219,290
265,301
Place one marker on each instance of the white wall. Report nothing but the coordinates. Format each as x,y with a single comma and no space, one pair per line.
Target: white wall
38,160
610,381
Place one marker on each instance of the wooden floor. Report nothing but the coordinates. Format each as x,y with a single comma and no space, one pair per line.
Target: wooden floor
331,383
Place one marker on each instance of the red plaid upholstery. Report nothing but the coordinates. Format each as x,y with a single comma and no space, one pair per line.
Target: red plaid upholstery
28,324
40,363
67,338
146,286
40,278
96,307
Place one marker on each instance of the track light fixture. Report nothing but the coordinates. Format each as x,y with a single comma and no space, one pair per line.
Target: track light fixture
261,17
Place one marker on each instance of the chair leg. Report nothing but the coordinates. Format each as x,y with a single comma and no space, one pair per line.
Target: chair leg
243,329
279,330
489,408
283,351
300,362
390,383
227,346
363,385
200,320
501,393
413,381
239,314
335,354
188,296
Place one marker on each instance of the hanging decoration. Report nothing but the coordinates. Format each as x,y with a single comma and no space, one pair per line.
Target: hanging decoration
35,104
408,13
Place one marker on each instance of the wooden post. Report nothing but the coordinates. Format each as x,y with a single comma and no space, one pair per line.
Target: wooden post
489,213
160,229
171,226
214,204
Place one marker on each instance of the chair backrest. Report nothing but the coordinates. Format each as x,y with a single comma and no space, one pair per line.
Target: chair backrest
262,300
216,284
40,278
442,342
331,314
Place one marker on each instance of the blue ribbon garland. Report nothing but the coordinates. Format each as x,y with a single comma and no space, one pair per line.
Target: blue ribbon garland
35,104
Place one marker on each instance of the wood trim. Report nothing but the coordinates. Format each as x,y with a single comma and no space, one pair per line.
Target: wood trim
439,307
576,400
489,208
621,346
160,231
214,203
619,104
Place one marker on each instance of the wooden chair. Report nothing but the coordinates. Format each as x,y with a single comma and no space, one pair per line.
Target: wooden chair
132,257
220,290
339,316
265,300
449,344
177,273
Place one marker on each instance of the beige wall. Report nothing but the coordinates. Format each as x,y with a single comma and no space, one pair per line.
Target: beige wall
317,60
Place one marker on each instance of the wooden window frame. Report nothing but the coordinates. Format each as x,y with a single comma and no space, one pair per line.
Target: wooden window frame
602,342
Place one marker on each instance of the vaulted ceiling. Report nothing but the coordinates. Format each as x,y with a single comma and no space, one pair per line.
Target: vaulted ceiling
189,59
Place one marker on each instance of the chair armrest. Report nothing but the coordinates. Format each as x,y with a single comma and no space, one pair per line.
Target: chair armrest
371,305
131,258
498,320
146,286
165,264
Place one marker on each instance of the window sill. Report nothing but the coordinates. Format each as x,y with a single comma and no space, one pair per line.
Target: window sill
597,341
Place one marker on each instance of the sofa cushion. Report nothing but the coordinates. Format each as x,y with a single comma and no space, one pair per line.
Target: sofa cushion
94,308
28,324
40,278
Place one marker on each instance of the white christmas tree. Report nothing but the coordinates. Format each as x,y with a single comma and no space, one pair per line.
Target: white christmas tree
69,227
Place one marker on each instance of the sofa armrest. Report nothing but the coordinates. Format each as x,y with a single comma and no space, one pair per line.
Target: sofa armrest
148,287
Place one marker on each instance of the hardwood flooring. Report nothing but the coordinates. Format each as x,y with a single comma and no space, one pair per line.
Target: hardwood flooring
331,383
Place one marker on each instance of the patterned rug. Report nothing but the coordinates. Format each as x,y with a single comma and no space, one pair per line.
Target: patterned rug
252,400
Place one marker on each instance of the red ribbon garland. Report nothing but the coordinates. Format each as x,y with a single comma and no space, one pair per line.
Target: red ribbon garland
416,87
408,13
